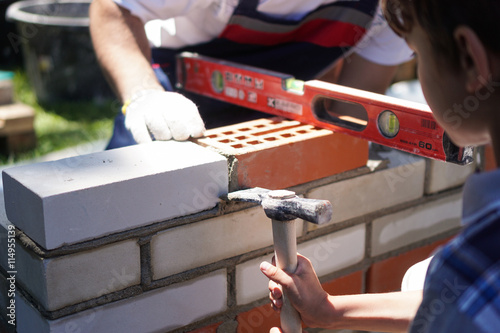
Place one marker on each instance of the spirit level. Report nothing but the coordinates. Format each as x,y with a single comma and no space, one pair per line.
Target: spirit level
392,122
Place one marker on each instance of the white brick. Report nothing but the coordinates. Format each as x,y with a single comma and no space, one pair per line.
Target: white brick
368,193
251,284
89,196
336,251
442,176
417,223
70,279
198,244
159,310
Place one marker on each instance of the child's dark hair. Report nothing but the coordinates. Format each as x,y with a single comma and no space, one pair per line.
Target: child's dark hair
440,18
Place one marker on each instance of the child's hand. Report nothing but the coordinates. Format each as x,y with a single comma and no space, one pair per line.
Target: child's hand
303,289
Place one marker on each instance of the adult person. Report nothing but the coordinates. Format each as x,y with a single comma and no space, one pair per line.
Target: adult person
136,42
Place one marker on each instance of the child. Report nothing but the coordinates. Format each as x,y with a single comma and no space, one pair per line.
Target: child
459,70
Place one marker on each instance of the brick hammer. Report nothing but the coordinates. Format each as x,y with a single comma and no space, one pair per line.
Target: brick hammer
283,207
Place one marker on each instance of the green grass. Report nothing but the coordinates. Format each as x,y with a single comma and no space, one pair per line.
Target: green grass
61,125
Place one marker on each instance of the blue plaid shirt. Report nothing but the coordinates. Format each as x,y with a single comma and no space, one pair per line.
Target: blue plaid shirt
462,286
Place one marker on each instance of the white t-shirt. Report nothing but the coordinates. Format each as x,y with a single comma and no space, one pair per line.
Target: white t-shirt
178,23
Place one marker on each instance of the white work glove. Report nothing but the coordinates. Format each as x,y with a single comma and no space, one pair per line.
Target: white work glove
162,115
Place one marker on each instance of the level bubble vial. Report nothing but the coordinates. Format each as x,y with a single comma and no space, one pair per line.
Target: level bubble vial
388,124
217,81
294,85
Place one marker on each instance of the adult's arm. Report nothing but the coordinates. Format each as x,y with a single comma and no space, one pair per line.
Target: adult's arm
358,72
122,48
123,51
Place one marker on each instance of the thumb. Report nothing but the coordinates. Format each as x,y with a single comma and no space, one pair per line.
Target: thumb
275,274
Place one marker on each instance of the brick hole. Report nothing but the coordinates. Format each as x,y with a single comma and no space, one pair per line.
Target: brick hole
274,130
271,138
259,126
228,132
238,145
241,137
244,129
254,142
287,135
302,132
212,136
225,141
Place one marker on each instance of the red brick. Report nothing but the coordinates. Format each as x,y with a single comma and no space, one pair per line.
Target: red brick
257,320
345,285
387,275
275,153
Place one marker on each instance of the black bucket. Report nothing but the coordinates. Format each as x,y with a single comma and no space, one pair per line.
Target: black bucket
8,57
58,55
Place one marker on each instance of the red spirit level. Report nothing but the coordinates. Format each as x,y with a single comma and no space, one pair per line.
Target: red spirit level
385,120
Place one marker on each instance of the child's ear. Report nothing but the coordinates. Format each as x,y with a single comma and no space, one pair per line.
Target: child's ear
473,58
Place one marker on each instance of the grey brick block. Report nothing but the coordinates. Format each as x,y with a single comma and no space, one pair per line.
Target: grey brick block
89,196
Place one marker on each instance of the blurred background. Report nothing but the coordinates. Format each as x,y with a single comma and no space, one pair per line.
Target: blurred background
52,92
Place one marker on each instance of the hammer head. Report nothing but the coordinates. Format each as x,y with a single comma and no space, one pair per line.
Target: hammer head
285,205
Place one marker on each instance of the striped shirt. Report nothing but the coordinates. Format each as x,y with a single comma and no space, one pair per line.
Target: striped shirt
180,23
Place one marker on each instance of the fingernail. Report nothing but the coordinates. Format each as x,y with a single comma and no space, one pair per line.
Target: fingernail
264,266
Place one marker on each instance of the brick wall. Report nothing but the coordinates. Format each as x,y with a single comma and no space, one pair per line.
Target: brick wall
137,240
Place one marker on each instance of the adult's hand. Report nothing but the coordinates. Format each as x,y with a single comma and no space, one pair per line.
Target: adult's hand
162,115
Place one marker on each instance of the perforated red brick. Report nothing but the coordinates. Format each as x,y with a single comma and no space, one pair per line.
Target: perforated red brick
278,153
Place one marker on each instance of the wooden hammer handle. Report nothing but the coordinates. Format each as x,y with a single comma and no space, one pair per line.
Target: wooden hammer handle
285,249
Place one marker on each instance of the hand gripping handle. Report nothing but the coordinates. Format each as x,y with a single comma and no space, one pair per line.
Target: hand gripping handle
283,207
